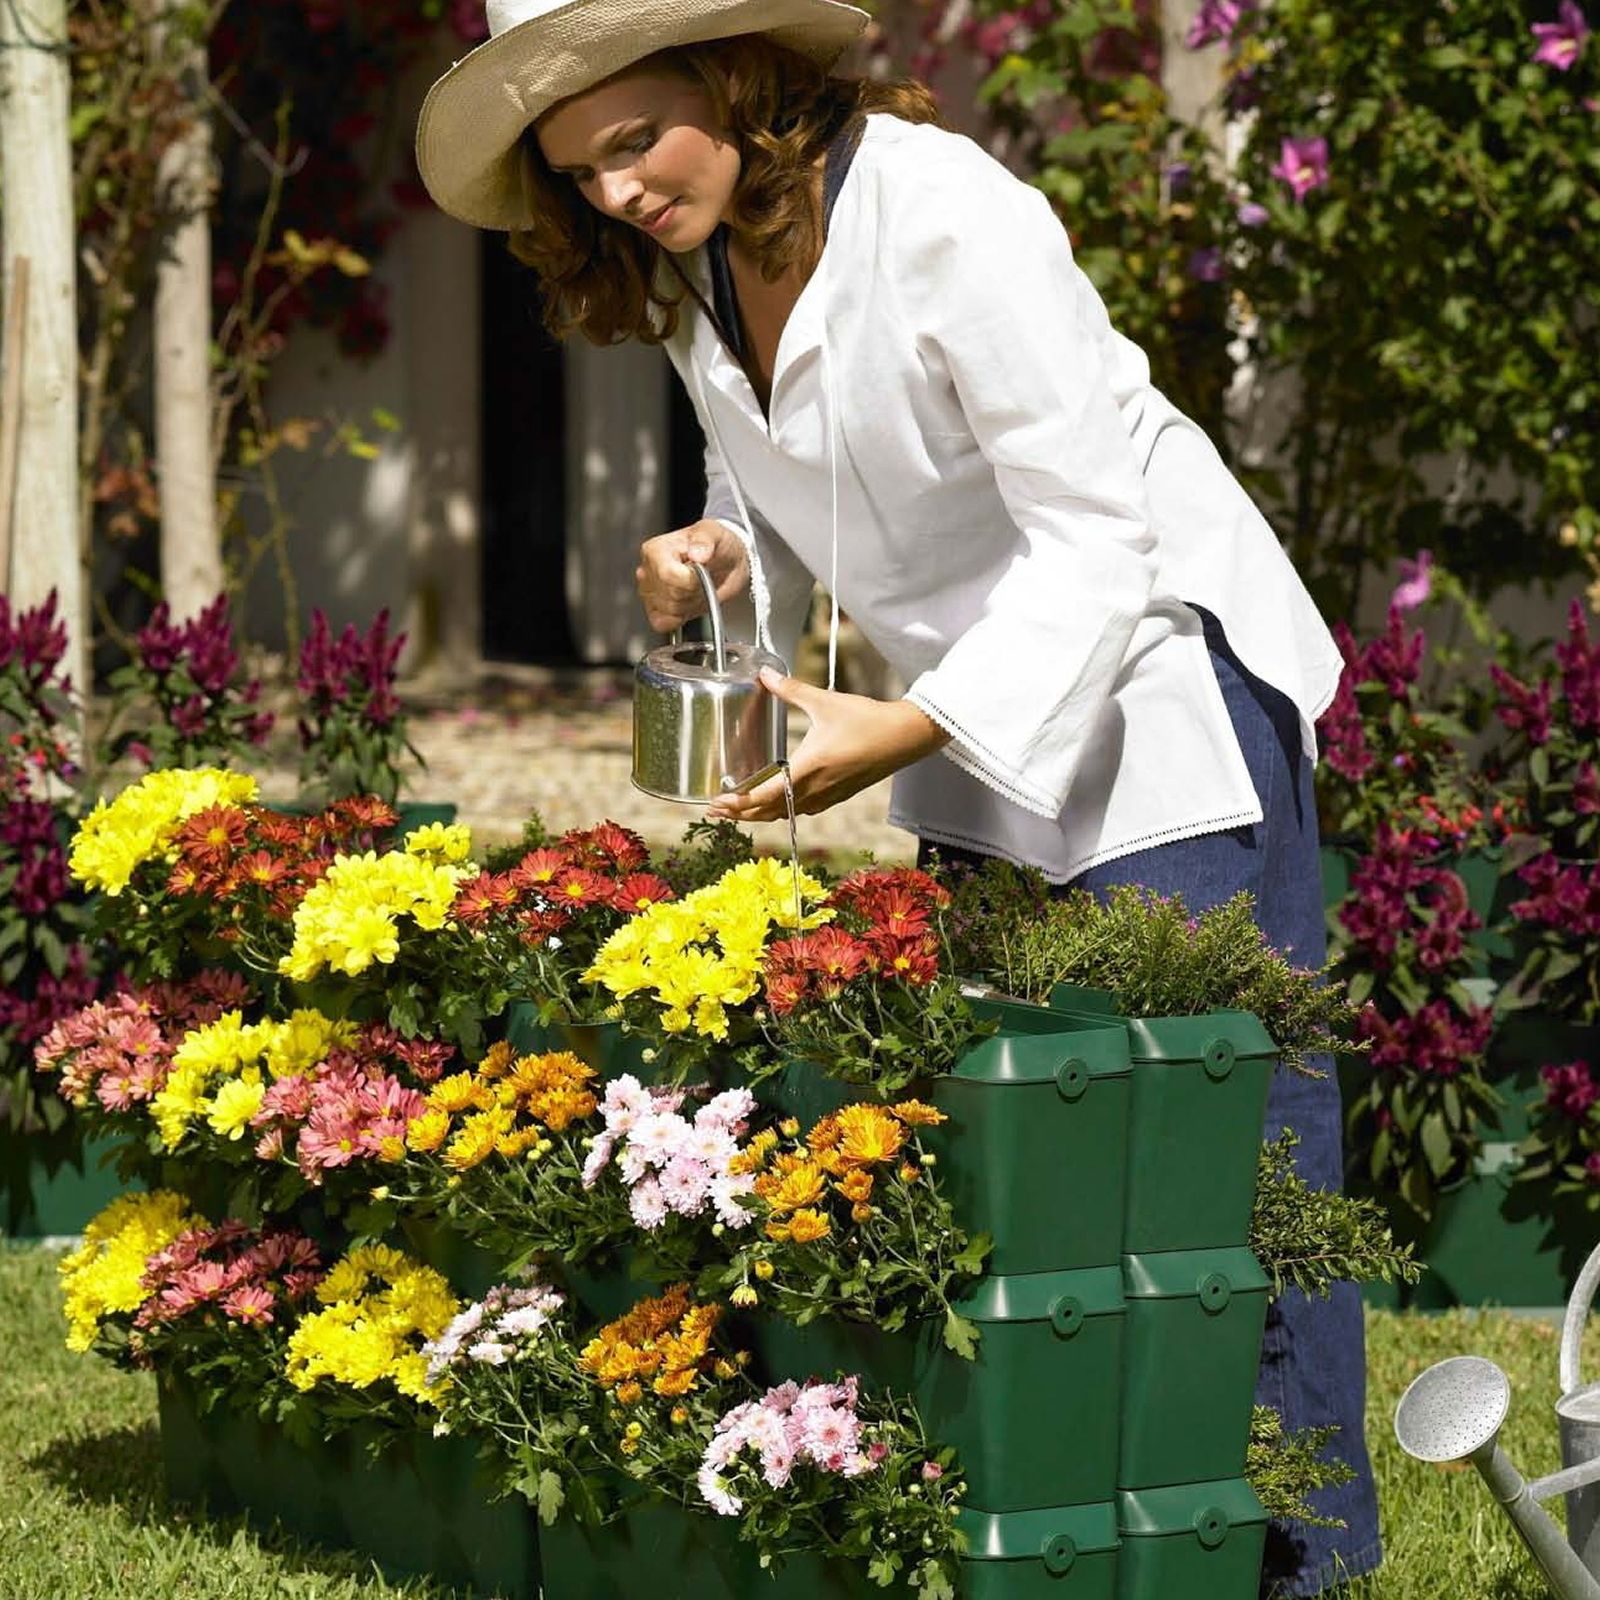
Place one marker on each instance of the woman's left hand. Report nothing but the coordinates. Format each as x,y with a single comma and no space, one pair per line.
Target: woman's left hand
852,742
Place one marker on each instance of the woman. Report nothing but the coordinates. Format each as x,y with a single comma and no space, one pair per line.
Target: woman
910,393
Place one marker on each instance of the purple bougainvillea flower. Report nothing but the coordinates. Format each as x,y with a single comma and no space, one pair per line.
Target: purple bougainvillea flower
1207,266
1561,42
1416,582
1215,22
1303,165
1251,214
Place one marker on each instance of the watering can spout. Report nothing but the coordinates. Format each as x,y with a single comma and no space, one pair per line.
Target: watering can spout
1454,1412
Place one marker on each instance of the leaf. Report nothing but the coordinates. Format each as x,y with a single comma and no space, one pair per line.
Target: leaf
961,1336
550,1496
970,1262
1437,1144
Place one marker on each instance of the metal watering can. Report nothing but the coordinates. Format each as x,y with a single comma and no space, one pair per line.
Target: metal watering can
702,723
1454,1412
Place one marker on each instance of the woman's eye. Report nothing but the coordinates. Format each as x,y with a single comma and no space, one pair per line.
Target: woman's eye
642,142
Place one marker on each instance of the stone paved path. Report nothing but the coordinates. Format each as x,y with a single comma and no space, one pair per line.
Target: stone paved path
565,750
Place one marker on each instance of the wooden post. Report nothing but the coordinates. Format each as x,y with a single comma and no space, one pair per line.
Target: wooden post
36,179
15,338
191,551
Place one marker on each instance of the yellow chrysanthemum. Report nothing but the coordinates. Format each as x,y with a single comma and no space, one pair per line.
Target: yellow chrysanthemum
868,1135
301,1040
427,1132
234,1104
354,915
380,1309
801,1186
475,1140
450,841
460,1091
120,835
226,1049
808,1224
701,956
105,1274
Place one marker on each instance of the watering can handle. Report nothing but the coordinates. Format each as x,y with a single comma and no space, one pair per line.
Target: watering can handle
714,611
1583,1292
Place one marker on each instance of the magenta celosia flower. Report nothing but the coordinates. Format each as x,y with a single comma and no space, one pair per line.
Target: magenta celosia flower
1561,41
1523,707
1302,164
1563,897
1580,671
1570,1089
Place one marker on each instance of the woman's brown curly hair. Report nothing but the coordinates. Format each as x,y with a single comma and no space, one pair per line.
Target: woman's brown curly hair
602,278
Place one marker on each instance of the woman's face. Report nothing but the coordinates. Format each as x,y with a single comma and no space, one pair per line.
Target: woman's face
644,148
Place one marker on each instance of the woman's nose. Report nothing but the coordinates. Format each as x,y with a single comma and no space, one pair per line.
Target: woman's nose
619,190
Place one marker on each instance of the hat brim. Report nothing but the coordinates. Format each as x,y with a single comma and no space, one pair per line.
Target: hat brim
473,118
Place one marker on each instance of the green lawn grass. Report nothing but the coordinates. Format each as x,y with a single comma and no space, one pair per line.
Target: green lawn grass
83,1514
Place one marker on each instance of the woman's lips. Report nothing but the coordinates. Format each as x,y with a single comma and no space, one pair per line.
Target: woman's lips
660,220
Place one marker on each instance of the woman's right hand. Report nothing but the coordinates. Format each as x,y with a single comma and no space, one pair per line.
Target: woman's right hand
668,586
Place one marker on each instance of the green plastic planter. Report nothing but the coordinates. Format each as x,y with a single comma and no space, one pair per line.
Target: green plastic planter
423,1507
420,1509
1523,1042
1194,1132
233,1464
1497,1242
1198,1541
1195,1319
1033,1418
664,1551
52,1186
600,1045
471,1270
419,813
1069,1553
1034,1152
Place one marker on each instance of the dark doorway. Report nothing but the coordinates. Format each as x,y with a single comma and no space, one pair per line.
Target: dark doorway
524,470
525,467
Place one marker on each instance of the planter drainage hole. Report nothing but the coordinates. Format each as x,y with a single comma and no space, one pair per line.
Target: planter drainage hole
1059,1554
1072,1079
1066,1316
1212,1526
1215,1291
1218,1059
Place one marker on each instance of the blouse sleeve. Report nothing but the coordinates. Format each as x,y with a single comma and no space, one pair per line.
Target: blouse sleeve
994,299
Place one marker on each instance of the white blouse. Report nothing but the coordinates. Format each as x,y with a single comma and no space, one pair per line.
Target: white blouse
976,465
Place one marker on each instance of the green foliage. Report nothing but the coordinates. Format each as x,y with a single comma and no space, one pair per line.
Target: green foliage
1286,1468
1418,322
502,857
1153,957
1310,1239
707,850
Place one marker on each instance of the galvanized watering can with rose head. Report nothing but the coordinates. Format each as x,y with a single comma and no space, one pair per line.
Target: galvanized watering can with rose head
703,725
1454,1411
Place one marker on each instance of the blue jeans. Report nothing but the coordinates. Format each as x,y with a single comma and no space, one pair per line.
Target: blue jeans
1313,1362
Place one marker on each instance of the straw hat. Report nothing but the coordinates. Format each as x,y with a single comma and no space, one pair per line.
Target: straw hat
542,51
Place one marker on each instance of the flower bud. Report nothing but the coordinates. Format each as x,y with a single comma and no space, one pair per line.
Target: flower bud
763,1270
744,1295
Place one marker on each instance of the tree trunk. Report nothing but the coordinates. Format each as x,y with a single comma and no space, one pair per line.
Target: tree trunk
191,550
48,551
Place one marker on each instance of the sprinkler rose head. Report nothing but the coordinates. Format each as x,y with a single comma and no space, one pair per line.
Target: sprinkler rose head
1453,1410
